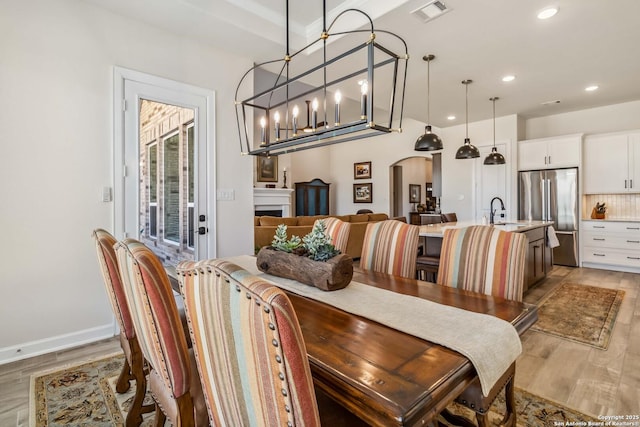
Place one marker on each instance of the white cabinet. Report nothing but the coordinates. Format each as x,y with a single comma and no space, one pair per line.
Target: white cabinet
549,153
612,163
611,244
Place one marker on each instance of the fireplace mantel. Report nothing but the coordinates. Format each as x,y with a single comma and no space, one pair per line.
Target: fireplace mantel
273,199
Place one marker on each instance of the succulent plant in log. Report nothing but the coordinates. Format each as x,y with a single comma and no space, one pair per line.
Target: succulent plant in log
281,241
318,244
315,245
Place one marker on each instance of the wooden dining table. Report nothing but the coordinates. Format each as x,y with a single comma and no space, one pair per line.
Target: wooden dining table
383,376
386,377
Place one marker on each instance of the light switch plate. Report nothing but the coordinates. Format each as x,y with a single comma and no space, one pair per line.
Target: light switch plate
226,195
106,194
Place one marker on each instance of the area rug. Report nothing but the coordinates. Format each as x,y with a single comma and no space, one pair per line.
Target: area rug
84,395
581,313
531,411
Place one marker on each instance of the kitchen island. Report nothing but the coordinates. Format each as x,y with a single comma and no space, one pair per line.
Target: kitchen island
539,257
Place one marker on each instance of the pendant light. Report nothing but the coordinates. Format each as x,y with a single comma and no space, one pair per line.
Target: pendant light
494,158
467,151
429,141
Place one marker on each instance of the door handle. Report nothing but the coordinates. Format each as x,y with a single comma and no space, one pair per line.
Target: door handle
202,230
633,241
544,197
601,240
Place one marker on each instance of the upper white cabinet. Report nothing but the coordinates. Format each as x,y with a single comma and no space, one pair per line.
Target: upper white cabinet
549,153
612,163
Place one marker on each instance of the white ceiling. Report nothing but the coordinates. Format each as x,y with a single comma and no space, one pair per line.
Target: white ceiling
587,42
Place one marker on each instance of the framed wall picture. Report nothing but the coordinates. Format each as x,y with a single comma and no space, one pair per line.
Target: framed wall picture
362,170
362,193
267,168
414,193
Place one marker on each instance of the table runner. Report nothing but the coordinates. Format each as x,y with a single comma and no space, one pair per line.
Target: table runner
490,343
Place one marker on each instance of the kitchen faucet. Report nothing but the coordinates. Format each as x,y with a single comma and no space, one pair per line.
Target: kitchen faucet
493,212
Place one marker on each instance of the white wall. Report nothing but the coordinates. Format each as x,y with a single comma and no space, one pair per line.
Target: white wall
611,118
57,153
458,175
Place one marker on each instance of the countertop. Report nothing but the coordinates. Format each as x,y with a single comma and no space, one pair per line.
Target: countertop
614,219
519,226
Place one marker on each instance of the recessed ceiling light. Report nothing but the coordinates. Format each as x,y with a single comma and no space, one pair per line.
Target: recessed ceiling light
452,117
547,12
509,78
591,88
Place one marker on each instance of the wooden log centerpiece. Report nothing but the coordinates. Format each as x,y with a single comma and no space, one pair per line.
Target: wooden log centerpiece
330,275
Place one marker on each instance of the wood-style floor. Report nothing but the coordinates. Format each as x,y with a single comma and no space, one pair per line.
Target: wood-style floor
593,381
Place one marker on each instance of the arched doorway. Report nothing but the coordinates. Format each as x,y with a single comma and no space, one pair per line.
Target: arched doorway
411,184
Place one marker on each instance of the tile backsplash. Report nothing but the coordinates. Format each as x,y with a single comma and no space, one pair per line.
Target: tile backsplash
618,205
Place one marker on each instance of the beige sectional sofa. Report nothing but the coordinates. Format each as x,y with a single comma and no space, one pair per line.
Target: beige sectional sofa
265,228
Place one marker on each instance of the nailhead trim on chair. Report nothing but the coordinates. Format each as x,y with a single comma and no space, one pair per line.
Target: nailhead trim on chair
209,335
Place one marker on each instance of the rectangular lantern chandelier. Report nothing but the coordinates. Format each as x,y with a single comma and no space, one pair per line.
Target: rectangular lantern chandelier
328,102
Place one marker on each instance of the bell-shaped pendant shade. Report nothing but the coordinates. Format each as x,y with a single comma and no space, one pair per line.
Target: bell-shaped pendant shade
494,158
467,151
428,141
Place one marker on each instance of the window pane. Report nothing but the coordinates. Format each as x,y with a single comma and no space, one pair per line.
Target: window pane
153,220
191,231
172,189
153,173
190,158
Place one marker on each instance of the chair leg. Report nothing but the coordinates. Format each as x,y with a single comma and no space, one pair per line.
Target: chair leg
482,420
124,379
160,417
134,417
456,420
185,411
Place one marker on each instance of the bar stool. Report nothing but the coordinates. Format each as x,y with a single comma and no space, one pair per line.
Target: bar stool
449,217
427,268
428,262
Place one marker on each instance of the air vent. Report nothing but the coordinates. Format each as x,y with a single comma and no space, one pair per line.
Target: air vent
430,11
555,101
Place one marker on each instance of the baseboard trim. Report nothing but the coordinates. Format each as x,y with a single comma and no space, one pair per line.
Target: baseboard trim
57,343
611,267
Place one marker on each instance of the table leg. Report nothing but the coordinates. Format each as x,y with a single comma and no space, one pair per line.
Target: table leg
509,419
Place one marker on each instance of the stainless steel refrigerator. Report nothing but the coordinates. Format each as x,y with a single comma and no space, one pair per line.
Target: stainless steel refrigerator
552,195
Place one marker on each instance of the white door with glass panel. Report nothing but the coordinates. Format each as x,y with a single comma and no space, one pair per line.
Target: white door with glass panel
165,167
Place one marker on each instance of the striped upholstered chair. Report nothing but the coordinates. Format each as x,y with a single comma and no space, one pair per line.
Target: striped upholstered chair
483,259
134,361
338,230
173,378
390,247
490,261
249,348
